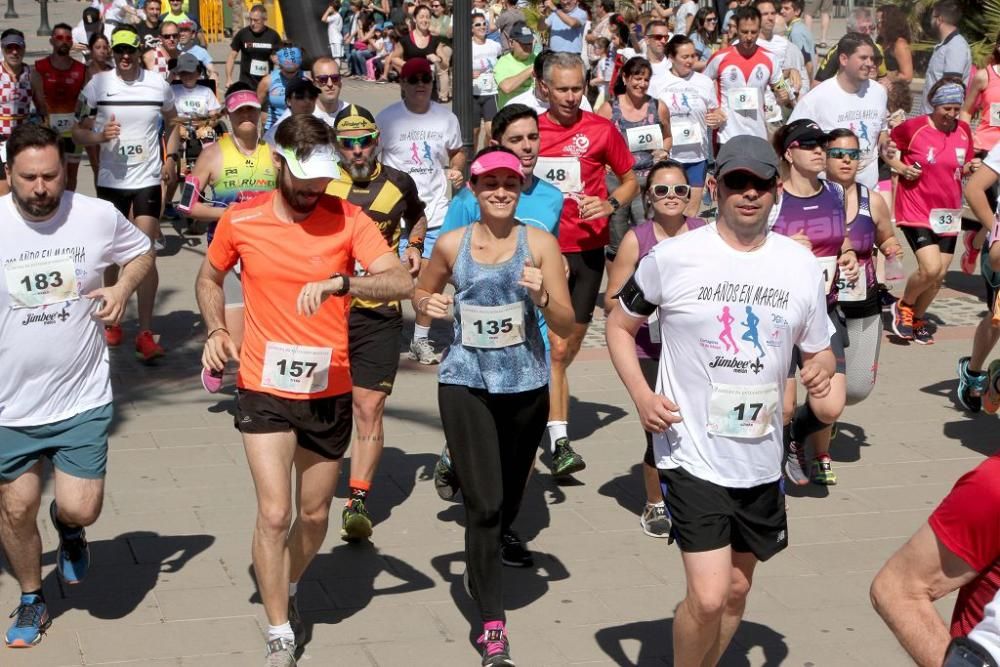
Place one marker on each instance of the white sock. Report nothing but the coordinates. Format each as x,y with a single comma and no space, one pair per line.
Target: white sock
421,332
557,430
284,631
293,588
659,504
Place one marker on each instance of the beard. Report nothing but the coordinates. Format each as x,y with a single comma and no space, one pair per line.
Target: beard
362,172
37,207
300,202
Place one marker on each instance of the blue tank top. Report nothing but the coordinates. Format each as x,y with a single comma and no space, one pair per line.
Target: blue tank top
504,370
276,97
643,159
862,232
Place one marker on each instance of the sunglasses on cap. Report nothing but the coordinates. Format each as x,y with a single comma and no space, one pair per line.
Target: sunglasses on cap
414,79
324,79
742,180
852,154
661,190
123,49
363,141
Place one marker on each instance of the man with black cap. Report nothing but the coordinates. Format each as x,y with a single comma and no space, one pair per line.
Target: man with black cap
513,71
300,98
716,413
388,196
89,25
16,93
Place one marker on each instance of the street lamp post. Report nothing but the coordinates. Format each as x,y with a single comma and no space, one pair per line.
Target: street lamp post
461,75
11,13
43,22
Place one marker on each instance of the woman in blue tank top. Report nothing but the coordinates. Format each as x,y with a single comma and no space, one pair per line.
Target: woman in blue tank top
493,381
271,88
665,195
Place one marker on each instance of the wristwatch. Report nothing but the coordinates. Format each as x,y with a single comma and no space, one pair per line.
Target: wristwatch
345,287
615,204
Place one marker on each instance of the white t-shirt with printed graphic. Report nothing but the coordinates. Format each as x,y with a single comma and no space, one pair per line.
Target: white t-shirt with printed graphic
729,321
484,59
419,144
55,360
196,102
688,100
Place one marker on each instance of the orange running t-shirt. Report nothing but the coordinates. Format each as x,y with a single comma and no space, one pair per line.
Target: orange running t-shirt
284,353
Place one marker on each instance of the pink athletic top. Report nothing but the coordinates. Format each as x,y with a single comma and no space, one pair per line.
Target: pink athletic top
933,201
988,103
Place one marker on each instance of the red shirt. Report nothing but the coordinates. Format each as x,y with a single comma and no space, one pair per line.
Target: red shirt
586,147
967,522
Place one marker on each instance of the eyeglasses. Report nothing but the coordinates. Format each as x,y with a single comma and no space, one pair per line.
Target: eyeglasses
123,50
13,47
362,141
661,190
711,19
478,25
327,79
852,154
168,35
414,79
742,180
657,36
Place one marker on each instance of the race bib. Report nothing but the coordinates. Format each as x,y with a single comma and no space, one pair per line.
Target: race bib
62,123
192,106
492,327
742,411
654,326
297,369
772,110
258,67
828,265
743,99
854,290
132,150
41,282
644,138
946,220
685,132
995,114
562,172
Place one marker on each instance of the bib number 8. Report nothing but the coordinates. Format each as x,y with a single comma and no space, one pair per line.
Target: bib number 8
42,281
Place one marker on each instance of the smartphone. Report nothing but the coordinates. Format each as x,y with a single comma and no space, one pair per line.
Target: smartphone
189,194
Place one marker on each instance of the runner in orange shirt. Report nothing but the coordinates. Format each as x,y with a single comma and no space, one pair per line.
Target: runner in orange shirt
297,247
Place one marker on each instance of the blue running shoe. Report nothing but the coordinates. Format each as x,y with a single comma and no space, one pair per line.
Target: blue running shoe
970,387
31,620
73,558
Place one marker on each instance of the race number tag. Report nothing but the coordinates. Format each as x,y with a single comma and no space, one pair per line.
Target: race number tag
854,290
742,411
685,132
946,220
62,123
41,282
995,114
132,150
258,67
297,369
772,110
562,172
828,265
492,327
654,327
743,99
644,138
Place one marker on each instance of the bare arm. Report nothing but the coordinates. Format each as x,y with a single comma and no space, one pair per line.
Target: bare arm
664,115
134,271
557,306
621,269
512,83
975,194
262,88
387,280
885,236
975,89
206,170
628,189
428,298
38,93
905,59
219,348
605,110
230,65
904,591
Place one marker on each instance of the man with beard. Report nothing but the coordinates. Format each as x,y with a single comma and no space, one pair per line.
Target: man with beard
57,81
387,195
149,28
293,403
55,402
16,92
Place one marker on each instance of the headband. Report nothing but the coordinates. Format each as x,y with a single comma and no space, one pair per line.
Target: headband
949,93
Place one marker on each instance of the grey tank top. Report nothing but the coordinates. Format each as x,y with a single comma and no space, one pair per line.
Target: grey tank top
516,367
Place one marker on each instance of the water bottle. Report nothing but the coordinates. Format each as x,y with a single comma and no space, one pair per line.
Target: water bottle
893,271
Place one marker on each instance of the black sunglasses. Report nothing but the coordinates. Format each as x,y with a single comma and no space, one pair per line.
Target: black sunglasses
808,145
324,79
742,180
852,154
414,79
122,49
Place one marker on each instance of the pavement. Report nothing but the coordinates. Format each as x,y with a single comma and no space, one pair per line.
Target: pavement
172,584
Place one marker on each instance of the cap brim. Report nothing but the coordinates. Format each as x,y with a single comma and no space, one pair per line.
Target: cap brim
321,163
755,167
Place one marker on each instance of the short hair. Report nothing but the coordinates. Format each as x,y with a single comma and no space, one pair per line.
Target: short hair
797,5
509,115
258,8
773,3
747,13
841,133
608,5
853,41
62,26
855,16
676,42
562,60
656,23
602,43
948,11
490,149
539,63
323,60
29,135
302,133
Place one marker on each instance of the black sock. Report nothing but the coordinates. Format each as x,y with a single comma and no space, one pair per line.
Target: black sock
977,374
357,493
38,593
805,423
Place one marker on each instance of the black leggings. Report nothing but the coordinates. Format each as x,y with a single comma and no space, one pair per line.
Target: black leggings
489,434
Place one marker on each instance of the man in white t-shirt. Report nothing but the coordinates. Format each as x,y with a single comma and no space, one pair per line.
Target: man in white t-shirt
778,46
716,411
535,96
55,400
684,17
326,76
657,36
423,139
123,111
854,101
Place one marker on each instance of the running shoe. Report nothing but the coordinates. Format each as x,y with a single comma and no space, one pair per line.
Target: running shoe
73,558
902,320
971,256
422,351
565,461
113,335
146,347
512,551
170,212
991,399
445,479
31,620
969,383
295,620
822,471
655,520
496,648
280,653
796,466
357,524
921,334
211,380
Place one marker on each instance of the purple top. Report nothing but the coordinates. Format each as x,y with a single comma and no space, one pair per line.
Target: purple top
862,234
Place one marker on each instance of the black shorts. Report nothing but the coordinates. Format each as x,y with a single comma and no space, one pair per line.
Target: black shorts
586,270
707,516
484,108
838,342
133,203
921,237
373,346
321,425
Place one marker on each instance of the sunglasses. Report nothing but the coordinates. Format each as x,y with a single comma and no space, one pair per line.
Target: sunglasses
656,37
742,180
327,79
63,38
711,19
661,190
852,154
478,25
13,47
168,35
414,80
363,141
123,50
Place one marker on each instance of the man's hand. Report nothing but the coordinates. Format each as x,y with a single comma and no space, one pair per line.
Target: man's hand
312,295
219,348
436,305
657,412
456,178
168,174
592,208
112,129
411,258
815,379
715,118
112,307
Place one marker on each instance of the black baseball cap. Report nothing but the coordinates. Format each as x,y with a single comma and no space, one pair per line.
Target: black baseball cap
802,131
301,85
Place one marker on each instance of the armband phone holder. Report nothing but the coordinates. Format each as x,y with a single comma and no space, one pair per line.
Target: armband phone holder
633,299
189,195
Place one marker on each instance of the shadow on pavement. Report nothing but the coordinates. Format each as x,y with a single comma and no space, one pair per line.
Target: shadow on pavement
586,418
628,490
396,466
979,435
